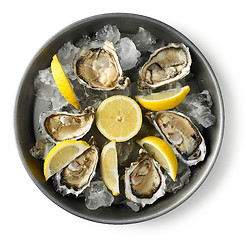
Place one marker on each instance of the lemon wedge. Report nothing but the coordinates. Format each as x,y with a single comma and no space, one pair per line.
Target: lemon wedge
164,100
63,83
162,153
119,118
109,167
61,155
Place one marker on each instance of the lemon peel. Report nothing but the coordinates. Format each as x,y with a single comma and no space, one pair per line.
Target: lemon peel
119,118
63,83
163,100
109,167
162,152
61,155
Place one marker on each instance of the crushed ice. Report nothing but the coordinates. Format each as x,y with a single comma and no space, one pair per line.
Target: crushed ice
133,206
133,49
67,53
143,39
124,149
97,195
83,41
41,148
128,53
108,32
198,107
182,178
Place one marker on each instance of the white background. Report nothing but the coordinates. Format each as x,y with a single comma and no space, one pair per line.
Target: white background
217,209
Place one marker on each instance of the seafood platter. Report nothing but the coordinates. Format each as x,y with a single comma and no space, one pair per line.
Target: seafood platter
124,118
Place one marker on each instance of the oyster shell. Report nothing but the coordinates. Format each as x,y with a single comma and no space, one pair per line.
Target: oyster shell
77,175
181,133
166,65
144,180
60,126
98,67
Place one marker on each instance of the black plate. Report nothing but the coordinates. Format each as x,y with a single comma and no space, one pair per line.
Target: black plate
24,111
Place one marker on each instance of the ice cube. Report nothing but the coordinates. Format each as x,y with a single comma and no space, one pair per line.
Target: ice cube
97,195
143,39
199,99
182,178
42,90
45,88
41,148
124,149
68,70
44,84
203,116
198,107
108,32
57,100
45,76
135,207
83,41
128,53
157,45
66,53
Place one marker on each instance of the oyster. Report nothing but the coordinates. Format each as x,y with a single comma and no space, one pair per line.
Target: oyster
98,67
166,65
77,175
60,126
181,133
144,180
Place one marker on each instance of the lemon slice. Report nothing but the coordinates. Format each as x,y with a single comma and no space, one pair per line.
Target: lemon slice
63,83
119,118
61,155
109,167
162,153
164,100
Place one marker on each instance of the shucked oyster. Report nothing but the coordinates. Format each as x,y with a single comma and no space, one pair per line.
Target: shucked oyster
99,68
60,126
166,65
144,180
179,131
77,175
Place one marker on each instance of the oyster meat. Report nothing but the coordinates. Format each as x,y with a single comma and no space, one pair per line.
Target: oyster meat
144,180
77,175
98,67
166,65
60,126
181,133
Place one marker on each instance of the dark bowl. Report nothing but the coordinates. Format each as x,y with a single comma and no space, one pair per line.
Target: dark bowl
24,112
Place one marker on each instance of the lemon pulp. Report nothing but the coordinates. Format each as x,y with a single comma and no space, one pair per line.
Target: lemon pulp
63,83
119,118
109,167
162,152
61,155
164,100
